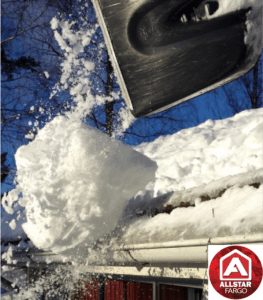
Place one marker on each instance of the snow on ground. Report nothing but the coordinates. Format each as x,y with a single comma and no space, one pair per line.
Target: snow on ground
75,182
200,161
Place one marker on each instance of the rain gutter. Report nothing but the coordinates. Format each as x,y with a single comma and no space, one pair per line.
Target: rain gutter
190,251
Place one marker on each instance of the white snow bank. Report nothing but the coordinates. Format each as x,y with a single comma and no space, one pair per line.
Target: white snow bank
206,153
75,182
237,212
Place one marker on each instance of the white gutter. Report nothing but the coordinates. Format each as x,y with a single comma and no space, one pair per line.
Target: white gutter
257,238
196,254
190,251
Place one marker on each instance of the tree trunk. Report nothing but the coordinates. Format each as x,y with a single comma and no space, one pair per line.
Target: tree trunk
254,96
109,106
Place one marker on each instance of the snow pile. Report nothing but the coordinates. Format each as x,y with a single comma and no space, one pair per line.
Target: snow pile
75,182
208,152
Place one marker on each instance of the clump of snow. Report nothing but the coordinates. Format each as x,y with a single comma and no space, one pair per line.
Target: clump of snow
54,23
8,255
12,224
75,182
208,152
125,119
5,268
89,65
46,74
30,136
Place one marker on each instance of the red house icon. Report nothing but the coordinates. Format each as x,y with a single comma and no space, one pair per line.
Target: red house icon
235,266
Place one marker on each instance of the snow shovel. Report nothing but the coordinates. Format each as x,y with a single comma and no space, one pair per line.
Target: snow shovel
168,51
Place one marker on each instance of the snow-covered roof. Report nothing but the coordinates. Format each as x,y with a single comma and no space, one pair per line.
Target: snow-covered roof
226,207
217,159
208,184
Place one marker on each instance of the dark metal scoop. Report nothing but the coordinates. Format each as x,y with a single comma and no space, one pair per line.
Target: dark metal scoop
168,51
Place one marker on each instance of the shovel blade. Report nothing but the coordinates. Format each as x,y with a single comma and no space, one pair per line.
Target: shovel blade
166,52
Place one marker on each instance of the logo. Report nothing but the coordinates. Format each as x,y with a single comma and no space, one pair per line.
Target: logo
235,272
235,266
